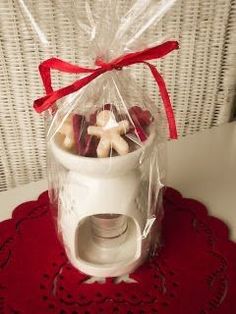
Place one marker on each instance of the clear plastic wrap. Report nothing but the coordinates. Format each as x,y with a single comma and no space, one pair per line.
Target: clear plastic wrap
105,139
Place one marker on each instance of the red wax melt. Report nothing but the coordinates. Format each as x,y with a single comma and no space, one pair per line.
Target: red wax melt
141,120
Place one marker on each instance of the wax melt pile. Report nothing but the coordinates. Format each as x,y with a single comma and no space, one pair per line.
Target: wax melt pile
79,133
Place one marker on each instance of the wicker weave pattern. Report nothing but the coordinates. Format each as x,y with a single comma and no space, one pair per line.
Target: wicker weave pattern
200,77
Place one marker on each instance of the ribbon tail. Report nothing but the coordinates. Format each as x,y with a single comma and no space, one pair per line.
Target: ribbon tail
47,101
166,100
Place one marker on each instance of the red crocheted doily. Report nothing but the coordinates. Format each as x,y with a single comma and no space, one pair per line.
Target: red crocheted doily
194,272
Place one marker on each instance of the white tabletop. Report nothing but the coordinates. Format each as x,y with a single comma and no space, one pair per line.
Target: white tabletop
203,166
200,166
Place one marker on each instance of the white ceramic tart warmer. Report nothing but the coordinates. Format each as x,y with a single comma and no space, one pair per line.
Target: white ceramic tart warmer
102,210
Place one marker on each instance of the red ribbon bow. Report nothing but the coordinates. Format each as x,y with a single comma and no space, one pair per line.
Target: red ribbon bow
156,52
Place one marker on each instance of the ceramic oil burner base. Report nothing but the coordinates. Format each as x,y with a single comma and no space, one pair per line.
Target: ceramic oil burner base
101,214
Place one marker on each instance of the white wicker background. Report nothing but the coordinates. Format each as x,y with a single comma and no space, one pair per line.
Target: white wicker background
200,76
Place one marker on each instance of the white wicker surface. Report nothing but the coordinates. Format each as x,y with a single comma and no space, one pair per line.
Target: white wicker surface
200,76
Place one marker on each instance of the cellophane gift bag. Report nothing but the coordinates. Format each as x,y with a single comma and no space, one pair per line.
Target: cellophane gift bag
105,138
